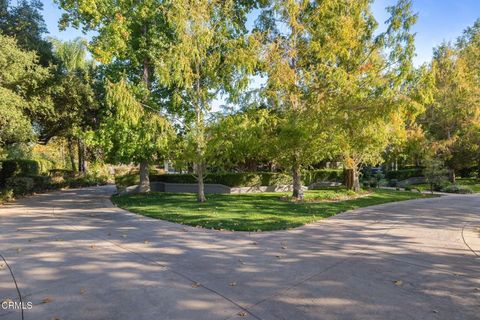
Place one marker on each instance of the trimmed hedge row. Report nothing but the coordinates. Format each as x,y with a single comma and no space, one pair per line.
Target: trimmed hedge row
240,179
404,174
19,167
21,177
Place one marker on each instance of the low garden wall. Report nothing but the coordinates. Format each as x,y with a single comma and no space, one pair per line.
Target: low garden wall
222,189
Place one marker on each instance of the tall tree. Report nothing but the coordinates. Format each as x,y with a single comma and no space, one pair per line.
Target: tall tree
131,133
362,78
452,120
24,21
130,37
210,53
301,137
75,107
20,80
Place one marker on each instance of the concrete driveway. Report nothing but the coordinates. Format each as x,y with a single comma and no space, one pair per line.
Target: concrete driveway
75,256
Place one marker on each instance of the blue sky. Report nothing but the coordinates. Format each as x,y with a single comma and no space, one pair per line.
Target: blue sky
439,20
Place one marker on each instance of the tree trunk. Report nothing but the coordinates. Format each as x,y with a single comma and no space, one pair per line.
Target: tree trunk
452,176
144,178
82,166
352,181
71,154
200,184
297,183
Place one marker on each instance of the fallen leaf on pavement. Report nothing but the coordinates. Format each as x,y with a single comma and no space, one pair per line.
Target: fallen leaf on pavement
398,282
47,300
196,284
82,290
242,314
233,284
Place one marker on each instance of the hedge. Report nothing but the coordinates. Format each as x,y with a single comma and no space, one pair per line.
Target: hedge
20,185
240,179
404,174
17,167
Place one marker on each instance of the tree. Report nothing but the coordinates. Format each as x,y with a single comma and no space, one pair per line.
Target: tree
452,119
25,22
434,172
20,76
241,140
362,78
75,107
130,132
131,36
301,137
210,53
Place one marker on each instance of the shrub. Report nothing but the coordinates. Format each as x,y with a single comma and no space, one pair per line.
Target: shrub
235,179
408,188
312,176
128,179
18,167
393,183
20,185
457,189
41,183
6,195
404,174
65,173
242,179
44,165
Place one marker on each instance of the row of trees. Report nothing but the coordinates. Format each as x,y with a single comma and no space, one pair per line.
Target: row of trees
333,87
47,86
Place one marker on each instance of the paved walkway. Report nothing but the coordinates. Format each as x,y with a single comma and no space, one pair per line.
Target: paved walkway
75,256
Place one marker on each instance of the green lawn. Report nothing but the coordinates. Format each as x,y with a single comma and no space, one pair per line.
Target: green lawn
252,212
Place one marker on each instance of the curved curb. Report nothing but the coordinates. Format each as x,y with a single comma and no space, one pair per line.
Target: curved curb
469,234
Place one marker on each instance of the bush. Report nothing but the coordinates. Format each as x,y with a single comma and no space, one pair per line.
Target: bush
331,175
86,181
18,167
393,183
20,185
41,183
44,165
408,188
6,195
404,174
65,173
457,189
240,179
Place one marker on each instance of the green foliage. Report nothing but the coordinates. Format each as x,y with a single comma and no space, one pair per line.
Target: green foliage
435,172
244,179
319,175
132,132
20,80
25,23
6,195
457,189
75,103
20,185
404,174
241,140
18,167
